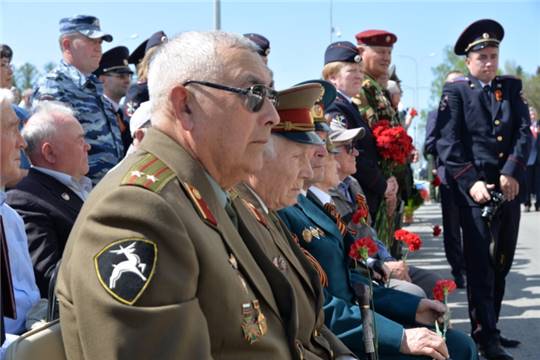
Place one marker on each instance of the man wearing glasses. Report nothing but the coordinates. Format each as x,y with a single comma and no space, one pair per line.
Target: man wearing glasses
156,266
115,75
73,83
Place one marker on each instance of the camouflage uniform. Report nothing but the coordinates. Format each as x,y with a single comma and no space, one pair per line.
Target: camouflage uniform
96,115
373,104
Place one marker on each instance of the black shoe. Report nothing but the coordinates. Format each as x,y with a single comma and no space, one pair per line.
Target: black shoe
494,351
509,343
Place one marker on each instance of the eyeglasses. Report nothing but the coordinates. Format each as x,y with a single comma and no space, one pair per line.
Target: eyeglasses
349,147
254,95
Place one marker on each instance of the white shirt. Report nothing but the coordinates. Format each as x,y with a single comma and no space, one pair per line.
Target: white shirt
80,187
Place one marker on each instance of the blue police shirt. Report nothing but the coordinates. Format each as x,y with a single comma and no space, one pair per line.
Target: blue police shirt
85,95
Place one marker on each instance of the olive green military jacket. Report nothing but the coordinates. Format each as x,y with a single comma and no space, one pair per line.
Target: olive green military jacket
276,251
155,269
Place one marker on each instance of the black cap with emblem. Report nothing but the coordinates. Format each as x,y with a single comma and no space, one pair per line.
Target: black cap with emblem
114,60
263,44
480,34
156,39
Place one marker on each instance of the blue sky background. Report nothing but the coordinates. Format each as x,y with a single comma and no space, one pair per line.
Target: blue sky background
299,31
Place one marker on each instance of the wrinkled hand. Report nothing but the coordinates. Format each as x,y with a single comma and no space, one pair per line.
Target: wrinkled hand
429,311
391,187
422,341
399,270
480,192
509,187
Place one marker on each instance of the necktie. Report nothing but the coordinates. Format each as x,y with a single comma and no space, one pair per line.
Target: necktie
231,212
335,215
487,94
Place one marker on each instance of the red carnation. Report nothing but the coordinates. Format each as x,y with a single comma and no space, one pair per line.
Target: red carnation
437,230
360,215
413,112
412,240
436,181
363,248
443,288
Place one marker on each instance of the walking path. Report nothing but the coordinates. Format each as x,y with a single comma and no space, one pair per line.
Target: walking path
520,315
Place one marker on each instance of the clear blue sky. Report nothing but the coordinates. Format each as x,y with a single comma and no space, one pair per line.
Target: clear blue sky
299,31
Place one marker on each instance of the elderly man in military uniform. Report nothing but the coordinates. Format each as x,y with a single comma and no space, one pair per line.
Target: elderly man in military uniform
483,144
156,265
73,83
115,74
275,186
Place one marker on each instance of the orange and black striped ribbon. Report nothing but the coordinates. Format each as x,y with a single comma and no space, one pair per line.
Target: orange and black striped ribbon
334,214
323,278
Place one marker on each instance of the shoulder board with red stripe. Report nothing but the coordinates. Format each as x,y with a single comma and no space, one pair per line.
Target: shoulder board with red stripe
199,203
255,212
150,173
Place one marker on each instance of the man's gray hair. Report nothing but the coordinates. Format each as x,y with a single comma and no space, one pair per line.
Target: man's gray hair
42,125
190,56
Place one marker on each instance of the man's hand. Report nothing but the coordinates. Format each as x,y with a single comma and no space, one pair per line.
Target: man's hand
391,187
429,311
480,192
422,341
509,187
398,270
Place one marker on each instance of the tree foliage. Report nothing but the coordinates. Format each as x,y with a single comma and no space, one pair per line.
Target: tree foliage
25,76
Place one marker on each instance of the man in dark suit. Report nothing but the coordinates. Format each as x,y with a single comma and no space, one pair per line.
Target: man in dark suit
51,195
342,69
450,210
483,146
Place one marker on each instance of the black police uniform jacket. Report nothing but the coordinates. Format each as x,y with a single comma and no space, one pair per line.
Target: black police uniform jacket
483,135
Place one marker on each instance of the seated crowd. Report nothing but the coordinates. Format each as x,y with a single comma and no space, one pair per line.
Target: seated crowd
199,213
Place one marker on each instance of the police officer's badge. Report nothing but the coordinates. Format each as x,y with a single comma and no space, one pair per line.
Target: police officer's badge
125,267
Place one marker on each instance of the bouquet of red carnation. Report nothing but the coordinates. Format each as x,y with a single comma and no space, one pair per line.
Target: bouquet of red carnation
360,216
394,147
412,240
362,248
436,181
440,292
413,112
436,230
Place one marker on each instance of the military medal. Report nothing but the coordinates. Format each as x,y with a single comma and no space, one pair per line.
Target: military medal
280,262
65,196
306,235
261,319
498,95
315,232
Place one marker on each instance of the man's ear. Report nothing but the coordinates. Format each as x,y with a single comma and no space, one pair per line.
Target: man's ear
179,98
48,153
66,43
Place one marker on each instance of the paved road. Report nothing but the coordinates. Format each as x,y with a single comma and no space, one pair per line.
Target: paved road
520,316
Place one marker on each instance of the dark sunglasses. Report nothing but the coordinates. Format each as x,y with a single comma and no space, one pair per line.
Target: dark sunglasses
349,147
254,95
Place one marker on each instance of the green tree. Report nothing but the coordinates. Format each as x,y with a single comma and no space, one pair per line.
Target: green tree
48,67
451,62
25,76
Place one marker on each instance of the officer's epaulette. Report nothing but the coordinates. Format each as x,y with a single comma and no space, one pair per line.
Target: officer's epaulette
502,77
461,79
199,203
150,173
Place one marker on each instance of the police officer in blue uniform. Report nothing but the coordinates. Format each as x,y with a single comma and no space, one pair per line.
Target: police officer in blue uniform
483,143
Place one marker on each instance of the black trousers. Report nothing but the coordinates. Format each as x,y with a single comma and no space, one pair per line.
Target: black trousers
486,279
452,230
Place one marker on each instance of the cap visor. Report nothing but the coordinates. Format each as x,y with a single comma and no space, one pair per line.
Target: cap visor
349,135
92,34
322,126
309,137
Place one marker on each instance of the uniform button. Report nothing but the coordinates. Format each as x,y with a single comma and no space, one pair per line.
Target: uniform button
497,122
501,155
499,138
